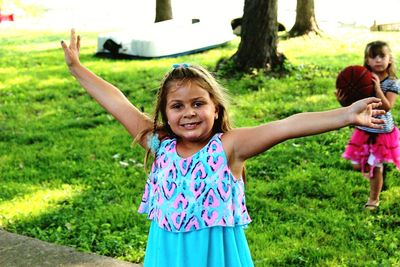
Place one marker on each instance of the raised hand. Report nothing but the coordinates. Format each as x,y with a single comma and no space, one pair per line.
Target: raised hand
340,95
364,111
71,51
376,81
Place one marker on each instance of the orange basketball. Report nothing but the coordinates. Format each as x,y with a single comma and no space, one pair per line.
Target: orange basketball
354,83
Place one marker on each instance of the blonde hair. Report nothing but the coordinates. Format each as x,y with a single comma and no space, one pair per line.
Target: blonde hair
183,74
376,48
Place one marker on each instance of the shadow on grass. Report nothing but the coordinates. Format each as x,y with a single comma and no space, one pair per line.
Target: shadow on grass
91,219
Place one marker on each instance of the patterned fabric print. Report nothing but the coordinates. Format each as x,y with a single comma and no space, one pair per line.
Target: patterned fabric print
185,194
387,85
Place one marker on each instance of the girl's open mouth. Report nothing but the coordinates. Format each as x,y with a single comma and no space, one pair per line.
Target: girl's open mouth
190,125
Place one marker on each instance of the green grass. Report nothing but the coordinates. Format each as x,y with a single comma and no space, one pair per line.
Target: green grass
63,173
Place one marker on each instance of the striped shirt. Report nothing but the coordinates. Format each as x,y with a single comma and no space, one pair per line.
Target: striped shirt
387,85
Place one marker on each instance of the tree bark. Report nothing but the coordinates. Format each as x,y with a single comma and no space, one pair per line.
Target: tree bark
305,19
163,10
258,45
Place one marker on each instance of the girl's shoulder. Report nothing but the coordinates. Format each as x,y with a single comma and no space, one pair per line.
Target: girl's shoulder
391,85
228,140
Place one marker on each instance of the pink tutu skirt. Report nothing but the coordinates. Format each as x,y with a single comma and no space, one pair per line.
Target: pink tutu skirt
372,149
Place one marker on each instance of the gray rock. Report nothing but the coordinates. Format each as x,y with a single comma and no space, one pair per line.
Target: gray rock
22,251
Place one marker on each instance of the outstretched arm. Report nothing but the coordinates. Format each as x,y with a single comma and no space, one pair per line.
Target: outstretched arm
244,143
107,95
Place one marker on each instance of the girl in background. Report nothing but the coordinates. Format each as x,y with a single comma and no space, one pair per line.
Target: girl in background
369,148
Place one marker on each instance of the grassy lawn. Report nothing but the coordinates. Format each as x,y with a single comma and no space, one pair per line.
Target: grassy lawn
70,175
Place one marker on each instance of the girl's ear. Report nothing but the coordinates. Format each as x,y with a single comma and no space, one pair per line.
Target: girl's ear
216,112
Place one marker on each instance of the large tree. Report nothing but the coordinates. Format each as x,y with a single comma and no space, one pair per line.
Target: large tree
259,36
163,10
305,19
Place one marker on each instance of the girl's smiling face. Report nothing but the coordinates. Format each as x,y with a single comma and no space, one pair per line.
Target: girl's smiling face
190,112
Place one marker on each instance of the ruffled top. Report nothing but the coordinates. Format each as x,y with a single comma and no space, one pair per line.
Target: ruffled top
387,85
186,194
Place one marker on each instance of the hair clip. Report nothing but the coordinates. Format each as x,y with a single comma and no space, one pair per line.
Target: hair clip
181,65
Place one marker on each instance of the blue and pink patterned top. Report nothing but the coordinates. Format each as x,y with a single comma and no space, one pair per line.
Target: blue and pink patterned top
185,194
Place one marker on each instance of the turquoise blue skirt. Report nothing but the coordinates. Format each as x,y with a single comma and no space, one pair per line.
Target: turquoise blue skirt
210,247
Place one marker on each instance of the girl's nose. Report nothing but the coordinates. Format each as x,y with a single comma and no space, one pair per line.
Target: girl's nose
190,112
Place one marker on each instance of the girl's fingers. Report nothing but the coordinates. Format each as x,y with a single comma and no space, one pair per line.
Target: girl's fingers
73,39
339,94
78,43
378,112
376,126
374,100
63,45
376,105
377,121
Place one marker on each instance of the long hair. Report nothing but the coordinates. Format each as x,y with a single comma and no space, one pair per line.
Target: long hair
377,48
183,74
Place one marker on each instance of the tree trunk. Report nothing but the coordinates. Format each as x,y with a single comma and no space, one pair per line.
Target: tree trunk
305,19
163,10
258,45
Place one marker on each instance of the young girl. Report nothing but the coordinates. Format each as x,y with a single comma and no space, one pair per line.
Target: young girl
194,195
369,148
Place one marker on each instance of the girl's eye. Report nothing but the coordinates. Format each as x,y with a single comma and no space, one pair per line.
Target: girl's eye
197,104
380,56
176,106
